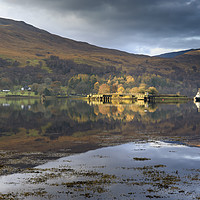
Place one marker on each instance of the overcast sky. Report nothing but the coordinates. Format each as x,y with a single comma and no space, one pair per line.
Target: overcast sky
136,26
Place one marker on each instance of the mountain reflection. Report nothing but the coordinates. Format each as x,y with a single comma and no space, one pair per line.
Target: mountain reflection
60,119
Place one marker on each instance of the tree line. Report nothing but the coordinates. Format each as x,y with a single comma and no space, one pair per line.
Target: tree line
55,76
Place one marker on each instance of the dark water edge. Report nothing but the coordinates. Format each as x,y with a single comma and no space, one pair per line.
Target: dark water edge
153,170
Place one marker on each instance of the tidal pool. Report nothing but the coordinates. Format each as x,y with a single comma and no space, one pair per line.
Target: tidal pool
136,170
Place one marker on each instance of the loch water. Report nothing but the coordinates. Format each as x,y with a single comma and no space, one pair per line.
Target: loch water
118,151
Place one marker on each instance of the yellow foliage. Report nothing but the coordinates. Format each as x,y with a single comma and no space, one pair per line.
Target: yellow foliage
120,109
120,90
129,117
143,86
130,79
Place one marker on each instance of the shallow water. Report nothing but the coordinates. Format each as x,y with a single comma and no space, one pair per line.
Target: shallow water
128,171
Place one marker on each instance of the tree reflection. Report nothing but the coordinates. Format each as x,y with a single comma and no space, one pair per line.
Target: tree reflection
59,118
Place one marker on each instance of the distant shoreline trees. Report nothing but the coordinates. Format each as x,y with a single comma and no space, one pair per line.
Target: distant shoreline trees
55,76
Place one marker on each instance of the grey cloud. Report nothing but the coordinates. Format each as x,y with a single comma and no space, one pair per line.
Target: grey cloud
142,21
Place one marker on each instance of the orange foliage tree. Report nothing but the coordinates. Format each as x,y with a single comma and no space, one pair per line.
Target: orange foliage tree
104,88
120,90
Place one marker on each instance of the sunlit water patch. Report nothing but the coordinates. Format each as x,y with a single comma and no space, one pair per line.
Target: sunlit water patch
130,171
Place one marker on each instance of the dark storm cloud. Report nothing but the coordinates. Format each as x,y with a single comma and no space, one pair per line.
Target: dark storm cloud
140,21
142,14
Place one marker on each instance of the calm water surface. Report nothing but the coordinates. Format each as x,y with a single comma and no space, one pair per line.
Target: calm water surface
153,150
31,126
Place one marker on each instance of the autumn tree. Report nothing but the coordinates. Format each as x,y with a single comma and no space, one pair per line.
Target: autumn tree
134,90
120,90
104,88
152,90
109,82
130,79
142,88
96,87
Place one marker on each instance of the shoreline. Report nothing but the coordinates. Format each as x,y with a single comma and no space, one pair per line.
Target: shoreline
18,161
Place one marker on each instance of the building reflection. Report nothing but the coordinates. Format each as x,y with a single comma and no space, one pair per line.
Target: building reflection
198,106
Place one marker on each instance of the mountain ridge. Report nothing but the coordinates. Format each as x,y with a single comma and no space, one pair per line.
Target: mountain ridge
24,25
73,43
175,53
45,55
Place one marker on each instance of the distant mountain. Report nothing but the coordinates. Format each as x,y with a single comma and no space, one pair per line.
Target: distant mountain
174,54
30,55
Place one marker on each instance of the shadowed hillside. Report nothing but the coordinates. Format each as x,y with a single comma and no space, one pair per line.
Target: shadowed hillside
19,39
29,55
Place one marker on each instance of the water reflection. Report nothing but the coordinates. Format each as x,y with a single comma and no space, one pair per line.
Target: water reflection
198,106
56,124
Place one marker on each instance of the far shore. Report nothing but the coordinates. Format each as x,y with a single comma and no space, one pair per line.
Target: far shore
164,98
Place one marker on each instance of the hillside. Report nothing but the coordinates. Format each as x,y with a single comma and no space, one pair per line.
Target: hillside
29,56
23,41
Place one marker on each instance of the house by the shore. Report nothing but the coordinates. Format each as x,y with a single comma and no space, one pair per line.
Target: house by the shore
197,97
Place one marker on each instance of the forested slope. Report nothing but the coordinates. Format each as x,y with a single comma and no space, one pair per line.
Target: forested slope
34,57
